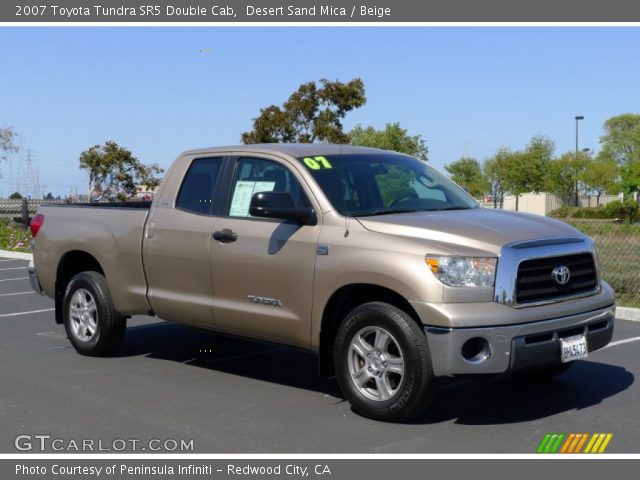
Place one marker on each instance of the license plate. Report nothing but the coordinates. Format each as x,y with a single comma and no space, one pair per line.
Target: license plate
574,348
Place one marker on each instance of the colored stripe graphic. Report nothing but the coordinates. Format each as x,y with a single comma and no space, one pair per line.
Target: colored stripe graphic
573,442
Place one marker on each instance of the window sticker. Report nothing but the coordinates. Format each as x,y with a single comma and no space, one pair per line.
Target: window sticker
242,196
317,163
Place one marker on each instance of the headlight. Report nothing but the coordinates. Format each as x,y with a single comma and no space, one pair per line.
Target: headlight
463,271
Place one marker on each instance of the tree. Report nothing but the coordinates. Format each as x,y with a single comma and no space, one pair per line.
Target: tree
114,172
621,144
467,173
392,137
565,173
7,142
496,171
526,170
311,114
15,196
601,175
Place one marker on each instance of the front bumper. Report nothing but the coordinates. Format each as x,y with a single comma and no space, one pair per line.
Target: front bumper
516,347
33,278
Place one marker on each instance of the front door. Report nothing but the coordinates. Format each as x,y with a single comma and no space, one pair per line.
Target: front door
263,269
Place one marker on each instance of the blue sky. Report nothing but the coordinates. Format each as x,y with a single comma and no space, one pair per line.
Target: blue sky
159,91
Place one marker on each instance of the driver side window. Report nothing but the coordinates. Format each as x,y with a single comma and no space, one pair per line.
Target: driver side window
254,175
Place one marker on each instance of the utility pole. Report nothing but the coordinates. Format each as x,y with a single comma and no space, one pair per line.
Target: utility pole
578,118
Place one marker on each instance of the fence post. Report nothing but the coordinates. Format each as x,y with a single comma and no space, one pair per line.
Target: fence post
24,212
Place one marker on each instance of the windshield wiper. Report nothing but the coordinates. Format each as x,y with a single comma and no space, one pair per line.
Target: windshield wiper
382,212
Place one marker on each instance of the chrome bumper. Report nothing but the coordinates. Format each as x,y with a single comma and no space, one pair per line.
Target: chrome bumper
514,347
33,278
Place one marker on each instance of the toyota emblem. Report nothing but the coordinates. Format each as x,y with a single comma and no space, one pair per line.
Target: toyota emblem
561,274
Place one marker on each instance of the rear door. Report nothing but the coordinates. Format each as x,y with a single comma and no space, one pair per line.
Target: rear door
177,246
263,269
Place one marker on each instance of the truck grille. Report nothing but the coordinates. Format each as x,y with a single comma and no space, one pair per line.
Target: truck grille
537,283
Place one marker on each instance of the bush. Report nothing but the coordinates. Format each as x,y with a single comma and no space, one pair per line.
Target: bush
627,210
581,212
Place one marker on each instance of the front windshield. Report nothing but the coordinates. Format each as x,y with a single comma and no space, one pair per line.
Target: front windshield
377,184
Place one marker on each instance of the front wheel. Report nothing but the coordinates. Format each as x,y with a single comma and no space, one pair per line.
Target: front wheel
382,363
92,324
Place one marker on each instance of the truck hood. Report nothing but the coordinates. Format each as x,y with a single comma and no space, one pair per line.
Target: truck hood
461,230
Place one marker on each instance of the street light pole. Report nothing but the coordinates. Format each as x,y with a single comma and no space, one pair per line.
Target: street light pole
578,118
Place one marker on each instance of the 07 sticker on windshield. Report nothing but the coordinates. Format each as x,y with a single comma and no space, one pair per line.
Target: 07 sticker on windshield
317,163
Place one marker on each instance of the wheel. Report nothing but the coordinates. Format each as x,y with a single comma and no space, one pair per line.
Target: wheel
92,323
545,373
382,363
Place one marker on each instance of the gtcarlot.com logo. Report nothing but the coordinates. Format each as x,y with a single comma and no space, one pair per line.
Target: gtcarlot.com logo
574,443
45,443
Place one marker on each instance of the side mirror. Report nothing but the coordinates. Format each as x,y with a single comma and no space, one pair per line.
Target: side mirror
281,206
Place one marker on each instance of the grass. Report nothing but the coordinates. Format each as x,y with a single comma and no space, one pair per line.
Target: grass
619,255
13,236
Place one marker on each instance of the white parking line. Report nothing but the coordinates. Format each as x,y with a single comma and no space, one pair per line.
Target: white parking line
12,260
17,293
13,268
27,313
622,342
12,279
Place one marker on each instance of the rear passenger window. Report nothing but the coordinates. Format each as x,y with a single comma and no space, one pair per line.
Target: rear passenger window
196,193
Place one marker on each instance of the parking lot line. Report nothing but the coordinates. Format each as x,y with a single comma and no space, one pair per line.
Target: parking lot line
13,279
12,260
16,293
26,313
623,341
13,268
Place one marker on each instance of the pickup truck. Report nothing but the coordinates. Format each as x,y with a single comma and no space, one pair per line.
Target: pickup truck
372,259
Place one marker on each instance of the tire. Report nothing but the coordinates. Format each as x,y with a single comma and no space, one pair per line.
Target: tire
545,373
382,392
90,319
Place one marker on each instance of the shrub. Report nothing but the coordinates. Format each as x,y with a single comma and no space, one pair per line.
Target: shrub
580,212
627,210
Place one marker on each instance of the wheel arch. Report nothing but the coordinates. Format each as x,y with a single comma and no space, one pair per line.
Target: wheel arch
341,302
70,264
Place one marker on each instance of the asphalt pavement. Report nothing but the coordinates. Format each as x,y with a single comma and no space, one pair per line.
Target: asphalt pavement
226,395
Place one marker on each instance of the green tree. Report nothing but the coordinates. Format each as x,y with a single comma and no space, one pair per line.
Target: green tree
311,114
496,170
601,175
392,137
467,173
7,142
15,196
565,172
114,172
526,170
621,143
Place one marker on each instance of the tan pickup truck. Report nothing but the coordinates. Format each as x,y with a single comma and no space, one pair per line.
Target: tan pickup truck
385,268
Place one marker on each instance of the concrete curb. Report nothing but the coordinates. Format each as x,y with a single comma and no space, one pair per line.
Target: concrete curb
15,255
627,313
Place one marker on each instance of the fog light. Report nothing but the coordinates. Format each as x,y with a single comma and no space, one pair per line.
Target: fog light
476,350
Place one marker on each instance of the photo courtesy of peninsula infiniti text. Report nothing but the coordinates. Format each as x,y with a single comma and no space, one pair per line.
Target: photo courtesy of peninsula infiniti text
392,274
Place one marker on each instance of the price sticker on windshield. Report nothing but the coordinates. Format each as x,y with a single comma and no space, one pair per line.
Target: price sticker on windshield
317,163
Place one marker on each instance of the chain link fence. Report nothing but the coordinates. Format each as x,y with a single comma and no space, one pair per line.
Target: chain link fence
618,246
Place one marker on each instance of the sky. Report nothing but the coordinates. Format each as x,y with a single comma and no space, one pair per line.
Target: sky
161,90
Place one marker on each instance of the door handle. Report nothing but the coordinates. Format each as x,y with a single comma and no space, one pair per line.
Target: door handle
225,235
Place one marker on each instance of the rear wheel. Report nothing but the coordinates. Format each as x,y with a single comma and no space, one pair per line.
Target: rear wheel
90,319
382,363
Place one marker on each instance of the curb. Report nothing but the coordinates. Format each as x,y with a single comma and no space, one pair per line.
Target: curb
15,255
627,313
